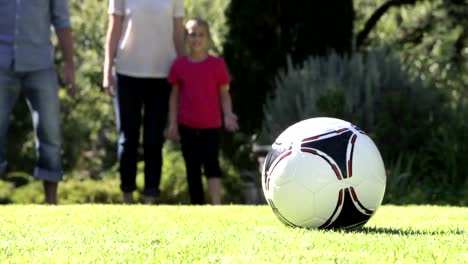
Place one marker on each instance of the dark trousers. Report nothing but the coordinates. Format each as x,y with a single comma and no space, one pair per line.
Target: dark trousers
141,100
200,147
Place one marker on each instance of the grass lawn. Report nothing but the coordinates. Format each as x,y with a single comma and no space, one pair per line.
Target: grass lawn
224,234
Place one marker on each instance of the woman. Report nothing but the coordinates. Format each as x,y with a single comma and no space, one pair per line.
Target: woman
143,39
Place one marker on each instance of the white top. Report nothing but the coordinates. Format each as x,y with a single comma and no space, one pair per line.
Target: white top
146,48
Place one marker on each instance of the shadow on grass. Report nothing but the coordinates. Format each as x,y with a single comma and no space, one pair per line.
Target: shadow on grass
406,232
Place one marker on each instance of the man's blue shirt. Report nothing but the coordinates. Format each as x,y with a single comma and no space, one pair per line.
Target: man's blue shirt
25,32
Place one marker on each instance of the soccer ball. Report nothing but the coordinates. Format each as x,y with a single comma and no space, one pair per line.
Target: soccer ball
324,173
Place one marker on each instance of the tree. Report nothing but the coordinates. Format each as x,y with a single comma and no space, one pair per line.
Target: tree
431,37
262,35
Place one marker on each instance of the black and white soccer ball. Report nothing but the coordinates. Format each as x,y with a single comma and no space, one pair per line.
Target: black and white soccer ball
324,173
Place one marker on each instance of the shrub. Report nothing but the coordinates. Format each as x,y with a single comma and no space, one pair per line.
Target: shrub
260,35
30,193
18,178
75,191
418,136
369,89
6,191
174,187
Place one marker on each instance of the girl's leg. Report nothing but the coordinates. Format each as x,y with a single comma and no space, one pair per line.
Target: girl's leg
210,153
190,150
214,188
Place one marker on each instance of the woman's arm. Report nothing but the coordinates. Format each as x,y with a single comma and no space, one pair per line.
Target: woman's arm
173,131
179,36
114,32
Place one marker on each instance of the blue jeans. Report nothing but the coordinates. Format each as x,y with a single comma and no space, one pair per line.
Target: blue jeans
41,91
141,101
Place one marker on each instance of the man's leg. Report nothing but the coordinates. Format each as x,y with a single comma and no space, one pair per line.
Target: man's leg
41,91
9,91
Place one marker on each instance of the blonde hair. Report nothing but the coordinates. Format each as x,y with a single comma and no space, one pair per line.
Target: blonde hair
199,22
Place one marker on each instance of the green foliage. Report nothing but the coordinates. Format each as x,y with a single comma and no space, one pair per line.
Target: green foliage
79,188
224,234
105,190
88,129
213,12
88,126
174,184
411,123
260,36
17,178
30,193
444,155
6,191
369,89
20,144
430,36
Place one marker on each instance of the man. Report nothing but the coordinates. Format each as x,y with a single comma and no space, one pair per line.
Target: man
26,65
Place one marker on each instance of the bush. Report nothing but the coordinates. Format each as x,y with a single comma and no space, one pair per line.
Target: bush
75,191
6,191
79,188
369,89
30,193
88,126
174,189
418,135
260,35
18,178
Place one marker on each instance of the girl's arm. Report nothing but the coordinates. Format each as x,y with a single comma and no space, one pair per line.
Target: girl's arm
114,32
230,119
173,130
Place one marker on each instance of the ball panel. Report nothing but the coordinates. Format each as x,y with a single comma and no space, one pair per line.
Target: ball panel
277,166
295,208
274,156
313,222
282,171
328,202
334,144
370,193
367,163
349,216
313,180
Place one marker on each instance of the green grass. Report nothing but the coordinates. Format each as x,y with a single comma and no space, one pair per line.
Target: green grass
224,234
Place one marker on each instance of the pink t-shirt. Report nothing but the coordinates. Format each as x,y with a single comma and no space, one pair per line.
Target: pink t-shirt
199,86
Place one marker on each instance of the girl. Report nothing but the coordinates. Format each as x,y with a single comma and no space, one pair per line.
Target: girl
198,101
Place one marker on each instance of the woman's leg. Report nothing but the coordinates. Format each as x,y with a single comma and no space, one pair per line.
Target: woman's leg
129,106
156,109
